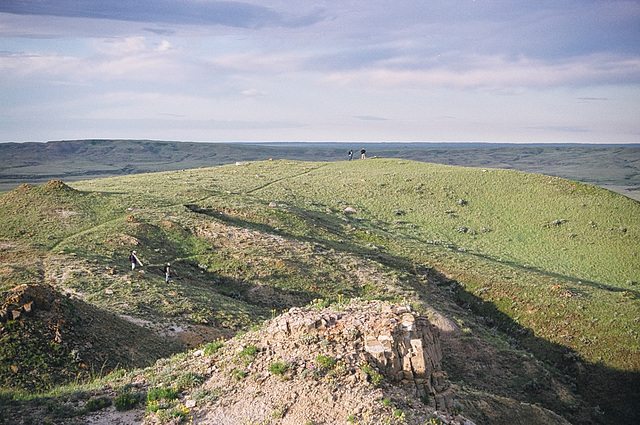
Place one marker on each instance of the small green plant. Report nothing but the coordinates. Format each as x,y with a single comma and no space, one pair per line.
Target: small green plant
325,362
248,354
162,393
279,368
212,347
352,418
386,402
125,401
181,412
249,351
278,413
238,374
372,376
188,380
435,420
97,403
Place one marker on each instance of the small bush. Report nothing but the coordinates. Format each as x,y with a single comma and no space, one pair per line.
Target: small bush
125,401
249,351
188,380
325,362
374,377
238,374
435,420
212,347
158,394
279,368
98,403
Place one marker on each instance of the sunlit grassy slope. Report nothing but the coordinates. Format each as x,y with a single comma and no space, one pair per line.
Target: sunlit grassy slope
550,262
559,257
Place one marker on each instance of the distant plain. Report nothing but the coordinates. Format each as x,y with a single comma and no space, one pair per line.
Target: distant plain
614,167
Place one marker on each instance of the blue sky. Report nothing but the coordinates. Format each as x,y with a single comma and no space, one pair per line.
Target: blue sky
328,70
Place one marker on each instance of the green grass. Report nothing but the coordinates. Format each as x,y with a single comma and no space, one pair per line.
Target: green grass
550,262
524,235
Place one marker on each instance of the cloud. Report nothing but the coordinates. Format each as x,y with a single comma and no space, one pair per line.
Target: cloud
370,118
181,12
561,128
253,93
499,72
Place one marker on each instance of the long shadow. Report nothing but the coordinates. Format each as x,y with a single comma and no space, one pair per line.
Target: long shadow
575,280
611,395
328,225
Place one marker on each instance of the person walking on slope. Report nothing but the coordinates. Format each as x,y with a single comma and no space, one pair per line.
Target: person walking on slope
134,259
350,154
362,153
167,272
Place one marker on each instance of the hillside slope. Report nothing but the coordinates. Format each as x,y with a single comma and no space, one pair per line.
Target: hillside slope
530,278
613,166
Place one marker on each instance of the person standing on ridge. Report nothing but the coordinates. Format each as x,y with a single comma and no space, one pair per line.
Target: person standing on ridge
167,272
362,153
350,154
134,259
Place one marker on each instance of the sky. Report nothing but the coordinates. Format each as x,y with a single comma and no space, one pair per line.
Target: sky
522,71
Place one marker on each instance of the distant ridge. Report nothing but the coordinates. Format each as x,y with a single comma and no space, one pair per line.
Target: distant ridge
616,166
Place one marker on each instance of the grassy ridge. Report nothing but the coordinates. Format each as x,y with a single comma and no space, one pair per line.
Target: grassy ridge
615,166
552,263
547,232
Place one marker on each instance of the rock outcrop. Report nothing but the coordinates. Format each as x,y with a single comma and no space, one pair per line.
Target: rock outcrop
25,299
403,345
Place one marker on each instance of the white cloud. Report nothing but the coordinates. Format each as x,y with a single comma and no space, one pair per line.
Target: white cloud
253,93
498,72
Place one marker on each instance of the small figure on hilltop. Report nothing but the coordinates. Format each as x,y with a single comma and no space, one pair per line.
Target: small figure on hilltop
362,153
350,154
167,272
134,259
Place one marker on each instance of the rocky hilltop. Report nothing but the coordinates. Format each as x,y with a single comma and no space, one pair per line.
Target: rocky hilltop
364,362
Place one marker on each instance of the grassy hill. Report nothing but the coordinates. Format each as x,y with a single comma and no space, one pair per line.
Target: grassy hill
616,167
535,276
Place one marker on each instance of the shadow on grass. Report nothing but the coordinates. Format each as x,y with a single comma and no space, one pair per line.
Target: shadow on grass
610,395
314,219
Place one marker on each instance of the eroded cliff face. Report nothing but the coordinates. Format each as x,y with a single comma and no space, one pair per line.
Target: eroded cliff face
367,362
401,345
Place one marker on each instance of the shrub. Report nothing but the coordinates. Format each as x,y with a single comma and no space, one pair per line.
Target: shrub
161,393
435,420
212,347
374,377
98,403
188,380
125,401
238,374
325,362
249,351
278,368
